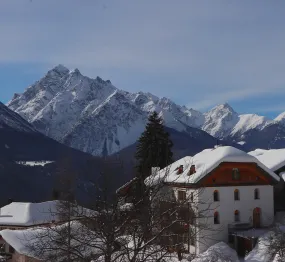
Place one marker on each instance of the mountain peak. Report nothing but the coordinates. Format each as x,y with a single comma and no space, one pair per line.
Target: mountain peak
75,72
60,69
223,107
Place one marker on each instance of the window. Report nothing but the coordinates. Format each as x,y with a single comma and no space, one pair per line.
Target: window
182,214
191,196
181,195
237,218
236,194
216,218
216,195
235,174
179,170
256,193
11,250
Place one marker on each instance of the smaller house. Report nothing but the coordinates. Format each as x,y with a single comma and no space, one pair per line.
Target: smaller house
274,159
21,216
37,244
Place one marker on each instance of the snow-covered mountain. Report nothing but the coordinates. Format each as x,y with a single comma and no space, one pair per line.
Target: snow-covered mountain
91,114
222,121
94,116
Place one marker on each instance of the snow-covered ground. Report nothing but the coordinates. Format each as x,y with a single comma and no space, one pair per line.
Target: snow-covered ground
219,252
34,163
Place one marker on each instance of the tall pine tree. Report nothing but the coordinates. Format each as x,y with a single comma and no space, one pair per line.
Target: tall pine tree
153,150
154,147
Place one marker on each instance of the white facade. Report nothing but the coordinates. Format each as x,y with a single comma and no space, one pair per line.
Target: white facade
209,233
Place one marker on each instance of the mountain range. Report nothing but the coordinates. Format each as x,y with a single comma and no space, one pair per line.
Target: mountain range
94,116
66,114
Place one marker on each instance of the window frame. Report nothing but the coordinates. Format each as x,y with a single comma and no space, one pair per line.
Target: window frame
236,195
216,218
216,195
191,197
181,193
237,216
256,194
235,174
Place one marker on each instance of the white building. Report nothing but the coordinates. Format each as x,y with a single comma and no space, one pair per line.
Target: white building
230,191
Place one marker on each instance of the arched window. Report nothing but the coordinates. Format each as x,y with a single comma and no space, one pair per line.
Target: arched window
216,218
256,193
236,194
235,174
216,196
237,216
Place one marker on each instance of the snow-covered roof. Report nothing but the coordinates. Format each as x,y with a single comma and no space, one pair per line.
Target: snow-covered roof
126,207
126,185
205,162
272,158
28,214
32,242
282,175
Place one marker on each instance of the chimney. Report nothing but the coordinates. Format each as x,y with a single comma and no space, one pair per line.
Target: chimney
180,170
192,170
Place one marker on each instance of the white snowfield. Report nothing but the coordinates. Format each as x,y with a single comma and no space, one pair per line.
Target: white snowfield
205,162
272,158
34,163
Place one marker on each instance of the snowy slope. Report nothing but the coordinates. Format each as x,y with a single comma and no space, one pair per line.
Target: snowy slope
10,119
280,118
95,117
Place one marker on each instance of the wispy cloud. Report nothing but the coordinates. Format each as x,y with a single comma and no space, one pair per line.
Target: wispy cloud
270,108
210,52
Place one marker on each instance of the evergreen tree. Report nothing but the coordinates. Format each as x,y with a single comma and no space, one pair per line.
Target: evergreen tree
153,150
154,147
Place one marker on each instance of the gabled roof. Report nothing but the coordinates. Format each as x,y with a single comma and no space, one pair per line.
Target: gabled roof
274,159
27,214
124,188
205,162
33,242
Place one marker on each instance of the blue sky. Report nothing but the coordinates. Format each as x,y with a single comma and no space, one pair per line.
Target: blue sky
198,53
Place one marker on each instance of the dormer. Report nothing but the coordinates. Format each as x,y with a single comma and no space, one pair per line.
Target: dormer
192,170
179,170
